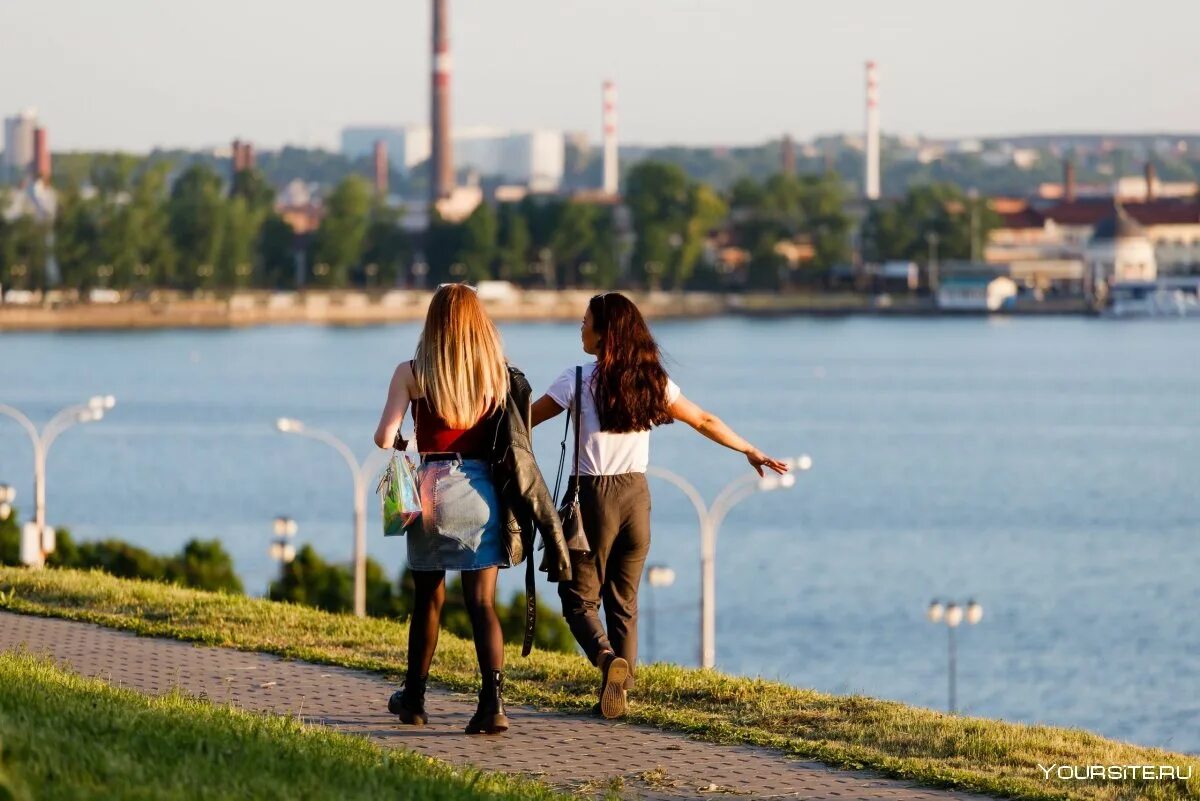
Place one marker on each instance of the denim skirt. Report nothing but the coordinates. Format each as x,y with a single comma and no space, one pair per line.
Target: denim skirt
460,520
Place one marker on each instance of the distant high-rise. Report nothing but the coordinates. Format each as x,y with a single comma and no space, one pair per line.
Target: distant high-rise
441,179
871,151
611,183
18,145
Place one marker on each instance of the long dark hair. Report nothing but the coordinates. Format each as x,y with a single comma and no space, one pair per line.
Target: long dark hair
630,384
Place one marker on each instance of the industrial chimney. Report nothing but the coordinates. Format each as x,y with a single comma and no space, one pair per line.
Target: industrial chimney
1151,180
787,155
1069,181
611,184
871,151
381,168
441,179
41,155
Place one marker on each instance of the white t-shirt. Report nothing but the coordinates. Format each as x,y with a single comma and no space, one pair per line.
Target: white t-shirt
602,453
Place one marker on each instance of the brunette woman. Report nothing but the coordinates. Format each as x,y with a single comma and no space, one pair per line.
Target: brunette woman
470,429
625,393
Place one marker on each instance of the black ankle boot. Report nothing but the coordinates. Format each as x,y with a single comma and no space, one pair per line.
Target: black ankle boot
409,701
489,718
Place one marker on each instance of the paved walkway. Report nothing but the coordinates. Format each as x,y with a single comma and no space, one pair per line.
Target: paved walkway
570,752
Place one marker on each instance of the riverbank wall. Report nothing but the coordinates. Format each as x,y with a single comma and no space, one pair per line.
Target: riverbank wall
351,308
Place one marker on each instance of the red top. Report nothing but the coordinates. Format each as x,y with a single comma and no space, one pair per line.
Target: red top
434,436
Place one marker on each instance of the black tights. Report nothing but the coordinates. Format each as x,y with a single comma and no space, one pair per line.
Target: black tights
479,594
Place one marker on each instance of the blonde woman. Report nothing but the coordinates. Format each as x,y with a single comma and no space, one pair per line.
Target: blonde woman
466,408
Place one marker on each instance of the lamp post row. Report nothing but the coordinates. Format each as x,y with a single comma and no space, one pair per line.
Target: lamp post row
34,553
710,517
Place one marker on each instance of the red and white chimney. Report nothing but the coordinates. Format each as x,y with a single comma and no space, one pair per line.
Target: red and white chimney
871,150
441,181
41,155
611,183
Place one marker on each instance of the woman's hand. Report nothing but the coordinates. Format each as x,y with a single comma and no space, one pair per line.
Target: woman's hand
758,460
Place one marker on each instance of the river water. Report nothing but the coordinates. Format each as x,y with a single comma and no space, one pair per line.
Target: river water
1045,467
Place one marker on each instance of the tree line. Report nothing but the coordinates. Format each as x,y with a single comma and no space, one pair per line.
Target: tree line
136,225
308,580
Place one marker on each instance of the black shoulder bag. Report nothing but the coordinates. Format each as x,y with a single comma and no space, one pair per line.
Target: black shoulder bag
568,512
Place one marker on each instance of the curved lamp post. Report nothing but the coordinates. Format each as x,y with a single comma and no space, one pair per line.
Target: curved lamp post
89,412
711,518
360,472
953,615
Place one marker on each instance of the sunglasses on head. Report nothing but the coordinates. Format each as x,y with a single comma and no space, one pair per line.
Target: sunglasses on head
468,286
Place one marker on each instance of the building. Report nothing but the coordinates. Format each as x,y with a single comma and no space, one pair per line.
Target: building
19,146
532,158
1065,230
976,292
1120,252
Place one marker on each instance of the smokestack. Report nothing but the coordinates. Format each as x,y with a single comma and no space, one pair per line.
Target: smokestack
612,179
247,156
1069,181
41,155
441,158
1151,179
871,152
381,168
787,155
236,157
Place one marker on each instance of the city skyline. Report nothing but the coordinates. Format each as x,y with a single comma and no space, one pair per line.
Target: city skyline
134,75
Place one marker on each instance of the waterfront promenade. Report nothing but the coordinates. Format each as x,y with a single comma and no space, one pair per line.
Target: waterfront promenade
350,307
570,752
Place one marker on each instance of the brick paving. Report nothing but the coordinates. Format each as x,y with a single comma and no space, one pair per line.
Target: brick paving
571,752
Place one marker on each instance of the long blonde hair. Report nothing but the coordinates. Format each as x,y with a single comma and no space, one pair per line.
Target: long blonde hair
459,364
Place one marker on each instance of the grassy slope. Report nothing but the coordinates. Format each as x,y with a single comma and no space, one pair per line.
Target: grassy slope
66,737
846,731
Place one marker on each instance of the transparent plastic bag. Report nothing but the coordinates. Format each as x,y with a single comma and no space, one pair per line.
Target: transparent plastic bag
398,495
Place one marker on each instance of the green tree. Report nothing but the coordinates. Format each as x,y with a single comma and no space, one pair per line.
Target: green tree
660,200
387,248
77,237
310,581
277,252
902,230
513,242
23,252
478,244
197,224
204,565
343,233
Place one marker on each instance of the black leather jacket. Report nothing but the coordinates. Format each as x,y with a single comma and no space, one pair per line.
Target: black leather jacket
528,506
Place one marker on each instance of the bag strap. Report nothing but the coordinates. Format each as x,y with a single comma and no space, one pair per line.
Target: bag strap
530,604
578,405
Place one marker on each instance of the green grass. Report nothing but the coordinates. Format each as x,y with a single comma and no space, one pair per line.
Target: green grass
845,731
67,737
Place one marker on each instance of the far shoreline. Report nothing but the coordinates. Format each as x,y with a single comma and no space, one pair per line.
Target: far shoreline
363,308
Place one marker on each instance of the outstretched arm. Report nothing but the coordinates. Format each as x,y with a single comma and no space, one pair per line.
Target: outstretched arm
715,429
399,393
544,408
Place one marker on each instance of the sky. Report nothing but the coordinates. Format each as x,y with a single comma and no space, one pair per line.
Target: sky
135,74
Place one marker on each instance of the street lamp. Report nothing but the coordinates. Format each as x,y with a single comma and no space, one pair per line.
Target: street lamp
88,412
658,577
711,518
282,550
953,615
7,496
360,472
